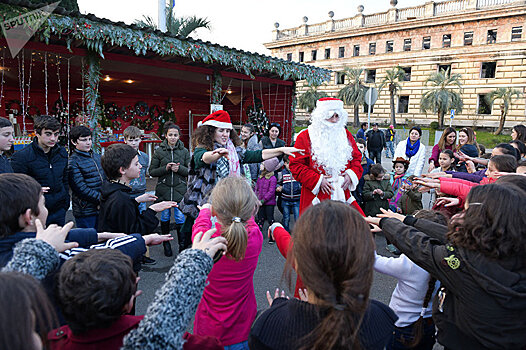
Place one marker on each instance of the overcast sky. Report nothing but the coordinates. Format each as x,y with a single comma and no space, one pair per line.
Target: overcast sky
243,24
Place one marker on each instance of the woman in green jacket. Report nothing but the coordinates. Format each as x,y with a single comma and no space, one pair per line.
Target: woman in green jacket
170,164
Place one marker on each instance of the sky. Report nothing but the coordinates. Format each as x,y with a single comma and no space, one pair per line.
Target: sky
243,24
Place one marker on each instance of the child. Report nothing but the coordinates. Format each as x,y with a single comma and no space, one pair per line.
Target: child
7,134
397,177
446,161
411,298
119,212
377,191
366,165
290,190
170,164
411,199
132,137
228,307
337,269
85,178
266,192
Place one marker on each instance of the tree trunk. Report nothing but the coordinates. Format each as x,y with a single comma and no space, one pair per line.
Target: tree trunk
440,119
501,122
356,122
393,115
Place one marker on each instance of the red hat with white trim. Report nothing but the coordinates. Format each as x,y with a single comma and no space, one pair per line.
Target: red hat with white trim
218,119
329,103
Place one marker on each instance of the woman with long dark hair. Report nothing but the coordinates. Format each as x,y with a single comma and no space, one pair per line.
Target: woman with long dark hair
479,260
467,146
518,132
447,141
333,253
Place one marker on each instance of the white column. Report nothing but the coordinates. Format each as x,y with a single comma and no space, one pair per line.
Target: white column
162,15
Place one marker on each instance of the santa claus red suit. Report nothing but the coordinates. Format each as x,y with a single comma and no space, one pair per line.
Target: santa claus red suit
330,153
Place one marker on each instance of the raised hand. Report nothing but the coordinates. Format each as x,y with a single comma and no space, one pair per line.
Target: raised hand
390,214
210,246
175,167
291,150
155,239
447,202
55,235
147,197
276,295
159,207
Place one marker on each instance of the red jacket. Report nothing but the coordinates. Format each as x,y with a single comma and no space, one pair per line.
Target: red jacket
111,338
460,188
284,243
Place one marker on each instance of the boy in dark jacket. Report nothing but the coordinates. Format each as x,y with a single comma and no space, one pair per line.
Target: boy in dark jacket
377,191
119,212
85,178
47,162
170,164
366,165
290,193
7,134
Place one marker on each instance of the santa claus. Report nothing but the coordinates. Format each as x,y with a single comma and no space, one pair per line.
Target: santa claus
331,166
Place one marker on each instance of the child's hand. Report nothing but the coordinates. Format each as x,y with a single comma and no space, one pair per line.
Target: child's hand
169,166
390,214
155,239
223,152
175,167
147,197
159,207
103,236
279,188
55,235
271,229
276,295
380,192
205,206
209,245
304,294
447,202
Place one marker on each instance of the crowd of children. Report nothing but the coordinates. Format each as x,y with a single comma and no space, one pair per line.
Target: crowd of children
461,270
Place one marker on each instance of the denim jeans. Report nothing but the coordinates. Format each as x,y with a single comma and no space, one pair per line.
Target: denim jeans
87,221
239,346
287,208
406,333
178,215
376,155
389,149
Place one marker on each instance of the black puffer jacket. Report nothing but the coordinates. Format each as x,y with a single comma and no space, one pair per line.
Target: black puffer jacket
5,165
49,169
85,179
170,186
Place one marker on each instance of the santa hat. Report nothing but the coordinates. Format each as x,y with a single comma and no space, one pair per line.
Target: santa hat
218,119
329,103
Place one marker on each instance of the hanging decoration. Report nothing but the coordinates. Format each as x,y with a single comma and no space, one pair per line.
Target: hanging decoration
45,80
127,113
167,115
217,87
95,34
111,111
13,107
94,109
141,109
258,118
116,125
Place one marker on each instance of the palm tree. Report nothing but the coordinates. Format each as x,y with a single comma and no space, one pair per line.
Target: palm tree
183,26
506,96
392,80
353,93
307,100
442,97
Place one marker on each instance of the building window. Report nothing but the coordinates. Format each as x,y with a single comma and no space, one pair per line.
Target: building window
289,57
403,104
488,69
327,54
301,56
426,43
340,78
468,38
389,46
372,48
341,52
370,75
407,44
446,68
516,33
356,50
446,40
483,106
492,36
407,73
314,53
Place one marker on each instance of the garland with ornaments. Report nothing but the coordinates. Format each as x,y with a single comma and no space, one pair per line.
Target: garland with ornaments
96,33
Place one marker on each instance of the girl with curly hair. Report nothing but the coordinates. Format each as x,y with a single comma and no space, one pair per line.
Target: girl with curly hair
479,260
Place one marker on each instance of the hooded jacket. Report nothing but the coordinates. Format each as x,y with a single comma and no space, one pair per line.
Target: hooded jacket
5,165
373,202
170,186
119,212
49,169
485,299
85,176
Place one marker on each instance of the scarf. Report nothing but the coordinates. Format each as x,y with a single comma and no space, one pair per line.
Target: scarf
228,167
411,150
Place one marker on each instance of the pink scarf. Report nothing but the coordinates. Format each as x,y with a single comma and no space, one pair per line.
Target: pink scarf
233,159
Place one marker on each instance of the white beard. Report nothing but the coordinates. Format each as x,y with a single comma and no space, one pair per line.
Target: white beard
330,147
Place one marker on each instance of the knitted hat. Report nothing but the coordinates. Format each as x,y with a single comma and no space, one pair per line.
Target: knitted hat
219,119
271,164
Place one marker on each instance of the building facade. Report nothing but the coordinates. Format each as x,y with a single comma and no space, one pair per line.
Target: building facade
482,40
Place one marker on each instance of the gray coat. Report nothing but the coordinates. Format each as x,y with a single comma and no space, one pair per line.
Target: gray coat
253,145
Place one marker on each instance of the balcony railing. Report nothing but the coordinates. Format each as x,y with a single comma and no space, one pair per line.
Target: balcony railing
429,9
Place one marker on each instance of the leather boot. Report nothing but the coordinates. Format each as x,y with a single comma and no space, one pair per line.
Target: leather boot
180,238
165,230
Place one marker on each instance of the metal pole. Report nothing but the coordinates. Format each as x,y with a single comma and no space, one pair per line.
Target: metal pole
369,109
162,15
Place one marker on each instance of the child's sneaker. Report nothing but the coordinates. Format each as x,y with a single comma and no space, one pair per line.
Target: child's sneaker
271,240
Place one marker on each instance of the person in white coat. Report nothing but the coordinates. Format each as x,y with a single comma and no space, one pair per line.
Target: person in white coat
412,150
